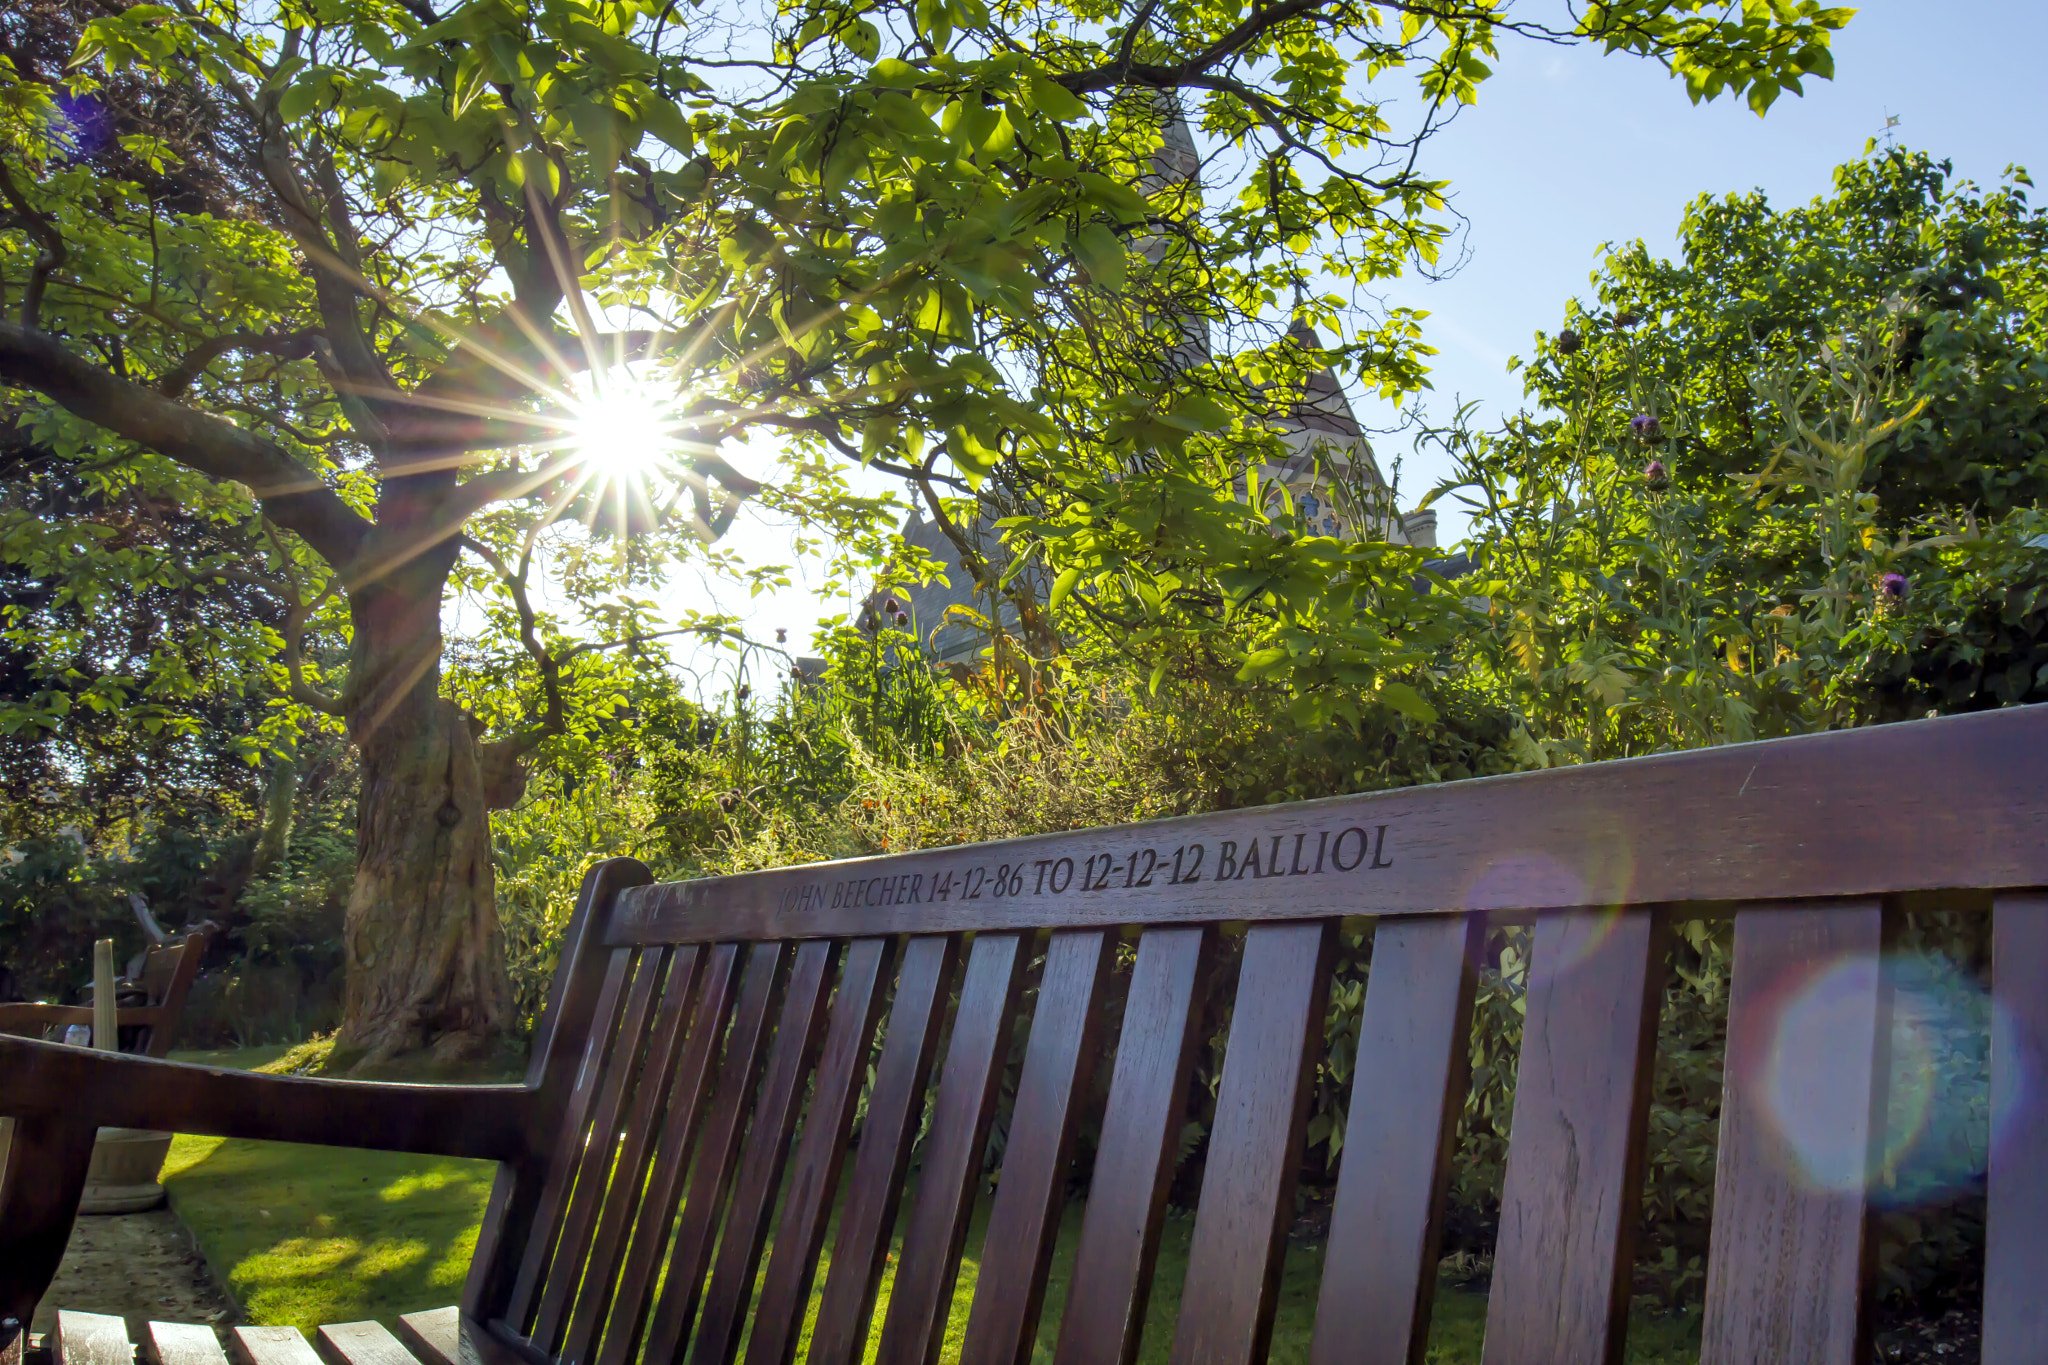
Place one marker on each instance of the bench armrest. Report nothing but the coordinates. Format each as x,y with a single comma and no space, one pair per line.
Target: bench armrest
28,1016
117,1090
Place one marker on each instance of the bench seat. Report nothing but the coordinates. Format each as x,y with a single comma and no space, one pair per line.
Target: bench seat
733,1070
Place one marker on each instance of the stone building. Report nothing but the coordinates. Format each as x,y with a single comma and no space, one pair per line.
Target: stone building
1329,471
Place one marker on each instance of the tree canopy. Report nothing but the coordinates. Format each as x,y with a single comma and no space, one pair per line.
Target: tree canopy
341,275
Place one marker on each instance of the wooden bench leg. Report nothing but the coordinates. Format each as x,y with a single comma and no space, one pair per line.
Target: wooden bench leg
41,1178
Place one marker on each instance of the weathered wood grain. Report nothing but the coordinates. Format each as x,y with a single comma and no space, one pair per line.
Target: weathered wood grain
1575,1151
820,1151
594,1173
895,1104
1818,815
629,1177
1247,1200
922,1294
520,1189
90,1339
360,1343
1112,1278
724,1314
434,1335
1407,1089
1017,1250
1801,1103
273,1346
718,1148
184,1343
569,1144
680,1119
2016,1239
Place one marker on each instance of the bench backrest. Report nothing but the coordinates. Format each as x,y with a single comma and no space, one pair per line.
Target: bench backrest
709,1043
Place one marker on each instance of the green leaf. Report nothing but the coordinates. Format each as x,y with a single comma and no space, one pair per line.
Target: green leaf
1407,701
1101,253
1064,584
1055,101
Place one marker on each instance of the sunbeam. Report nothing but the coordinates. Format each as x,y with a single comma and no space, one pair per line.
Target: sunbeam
626,426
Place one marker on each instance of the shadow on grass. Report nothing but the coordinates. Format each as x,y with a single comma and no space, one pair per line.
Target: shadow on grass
311,1235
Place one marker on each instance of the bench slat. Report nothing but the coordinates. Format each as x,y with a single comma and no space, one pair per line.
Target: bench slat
815,1166
435,1335
1574,1169
1112,1278
360,1343
1226,1315
1017,1251
554,1195
724,1315
90,1339
679,1120
600,1154
1407,1090
2015,1251
1806,1022
717,1149
923,1291
895,1104
274,1346
629,1177
185,1343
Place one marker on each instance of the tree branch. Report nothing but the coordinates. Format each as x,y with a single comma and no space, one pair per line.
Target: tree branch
48,259
556,719
286,346
297,612
292,495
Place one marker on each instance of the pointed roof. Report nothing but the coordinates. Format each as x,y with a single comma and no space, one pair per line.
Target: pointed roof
1322,405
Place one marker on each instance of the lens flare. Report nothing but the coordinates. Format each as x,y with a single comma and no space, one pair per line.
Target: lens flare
627,426
1937,1119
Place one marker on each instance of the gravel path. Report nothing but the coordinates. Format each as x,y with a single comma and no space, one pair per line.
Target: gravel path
142,1266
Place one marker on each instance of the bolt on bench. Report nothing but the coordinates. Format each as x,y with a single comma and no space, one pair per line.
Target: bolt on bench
671,1165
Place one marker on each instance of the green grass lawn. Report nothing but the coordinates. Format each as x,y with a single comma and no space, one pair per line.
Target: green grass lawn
311,1235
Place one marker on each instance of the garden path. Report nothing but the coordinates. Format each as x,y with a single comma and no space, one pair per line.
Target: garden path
141,1266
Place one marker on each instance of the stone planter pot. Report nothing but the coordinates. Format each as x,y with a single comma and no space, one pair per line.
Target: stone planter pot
122,1177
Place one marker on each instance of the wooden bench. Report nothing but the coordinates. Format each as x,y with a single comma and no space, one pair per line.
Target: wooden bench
162,982
671,1166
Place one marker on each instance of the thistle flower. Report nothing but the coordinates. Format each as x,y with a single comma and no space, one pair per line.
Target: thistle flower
781,635
1656,476
891,606
1568,342
1644,426
1893,585
902,618
742,692
1627,319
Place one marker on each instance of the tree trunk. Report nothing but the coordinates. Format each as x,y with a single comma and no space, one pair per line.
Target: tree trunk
425,955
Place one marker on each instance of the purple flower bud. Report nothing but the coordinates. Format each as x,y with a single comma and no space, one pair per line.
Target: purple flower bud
902,618
1893,585
1627,319
781,635
891,607
1645,427
1655,475
1568,342
743,691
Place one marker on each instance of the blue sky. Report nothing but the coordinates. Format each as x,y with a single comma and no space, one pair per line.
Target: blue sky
1567,149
